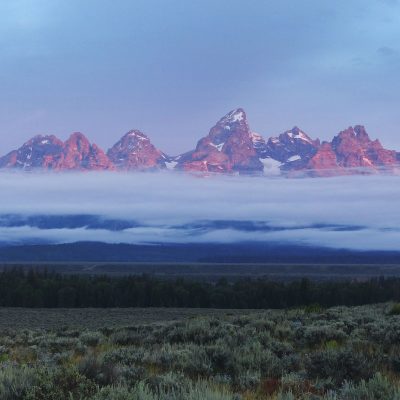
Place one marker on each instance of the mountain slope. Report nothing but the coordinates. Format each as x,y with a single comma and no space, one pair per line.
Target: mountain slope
351,152
230,147
79,154
134,151
50,153
45,152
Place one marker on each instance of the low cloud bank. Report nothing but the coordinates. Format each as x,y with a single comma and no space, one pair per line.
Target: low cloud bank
358,212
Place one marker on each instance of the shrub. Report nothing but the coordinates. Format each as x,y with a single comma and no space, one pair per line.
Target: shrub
91,339
198,362
313,309
203,391
126,338
395,310
15,381
197,391
281,354
394,361
99,371
377,388
248,380
339,365
61,384
57,344
126,356
315,335
169,383
140,392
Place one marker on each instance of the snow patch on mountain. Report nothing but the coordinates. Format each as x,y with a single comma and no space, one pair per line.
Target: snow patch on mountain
271,166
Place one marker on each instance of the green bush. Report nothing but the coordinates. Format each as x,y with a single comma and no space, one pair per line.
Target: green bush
313,308
377,388
15,381
339,365
197,391
61,384
395,310
140,392
334,355
99,370
91,339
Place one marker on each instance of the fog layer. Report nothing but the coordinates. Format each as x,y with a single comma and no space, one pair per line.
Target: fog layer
348,212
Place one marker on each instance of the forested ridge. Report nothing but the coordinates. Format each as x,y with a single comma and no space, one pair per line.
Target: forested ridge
34,288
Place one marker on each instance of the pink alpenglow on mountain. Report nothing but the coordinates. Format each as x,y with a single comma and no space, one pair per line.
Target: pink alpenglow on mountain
79,154
292,146
40,152
354,148
135,152
324,162
227,148
50,153
230,147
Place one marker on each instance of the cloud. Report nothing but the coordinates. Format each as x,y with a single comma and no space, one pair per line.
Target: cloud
386,51
359,212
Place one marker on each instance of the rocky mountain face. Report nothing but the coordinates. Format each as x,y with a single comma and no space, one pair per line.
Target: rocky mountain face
352,152
293,149
291,146
135,152
50,153
230,147
354,148
39,152
324,162
79,154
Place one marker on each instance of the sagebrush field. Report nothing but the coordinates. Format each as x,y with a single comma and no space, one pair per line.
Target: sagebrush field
304,353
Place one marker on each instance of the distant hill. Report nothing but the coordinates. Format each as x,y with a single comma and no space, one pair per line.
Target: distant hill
207,253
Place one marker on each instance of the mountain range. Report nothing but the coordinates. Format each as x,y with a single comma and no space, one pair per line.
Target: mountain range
230,147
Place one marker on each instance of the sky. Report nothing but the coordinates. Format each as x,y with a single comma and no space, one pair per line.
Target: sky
182,209
172,68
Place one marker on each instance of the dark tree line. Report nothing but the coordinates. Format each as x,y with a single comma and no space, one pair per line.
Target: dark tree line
33,288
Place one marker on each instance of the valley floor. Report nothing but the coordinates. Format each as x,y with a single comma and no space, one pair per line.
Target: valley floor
97,318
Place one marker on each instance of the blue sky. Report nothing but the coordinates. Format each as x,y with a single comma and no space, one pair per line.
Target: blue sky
172,68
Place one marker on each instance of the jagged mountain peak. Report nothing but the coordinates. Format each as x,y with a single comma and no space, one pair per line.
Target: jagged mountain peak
238,115
361,134
136,134
77,142
235,119
297,134
77,136
291,145
41,151
80,154
355,149
357,132
134,151
230,147
47,152
134,139
43,140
